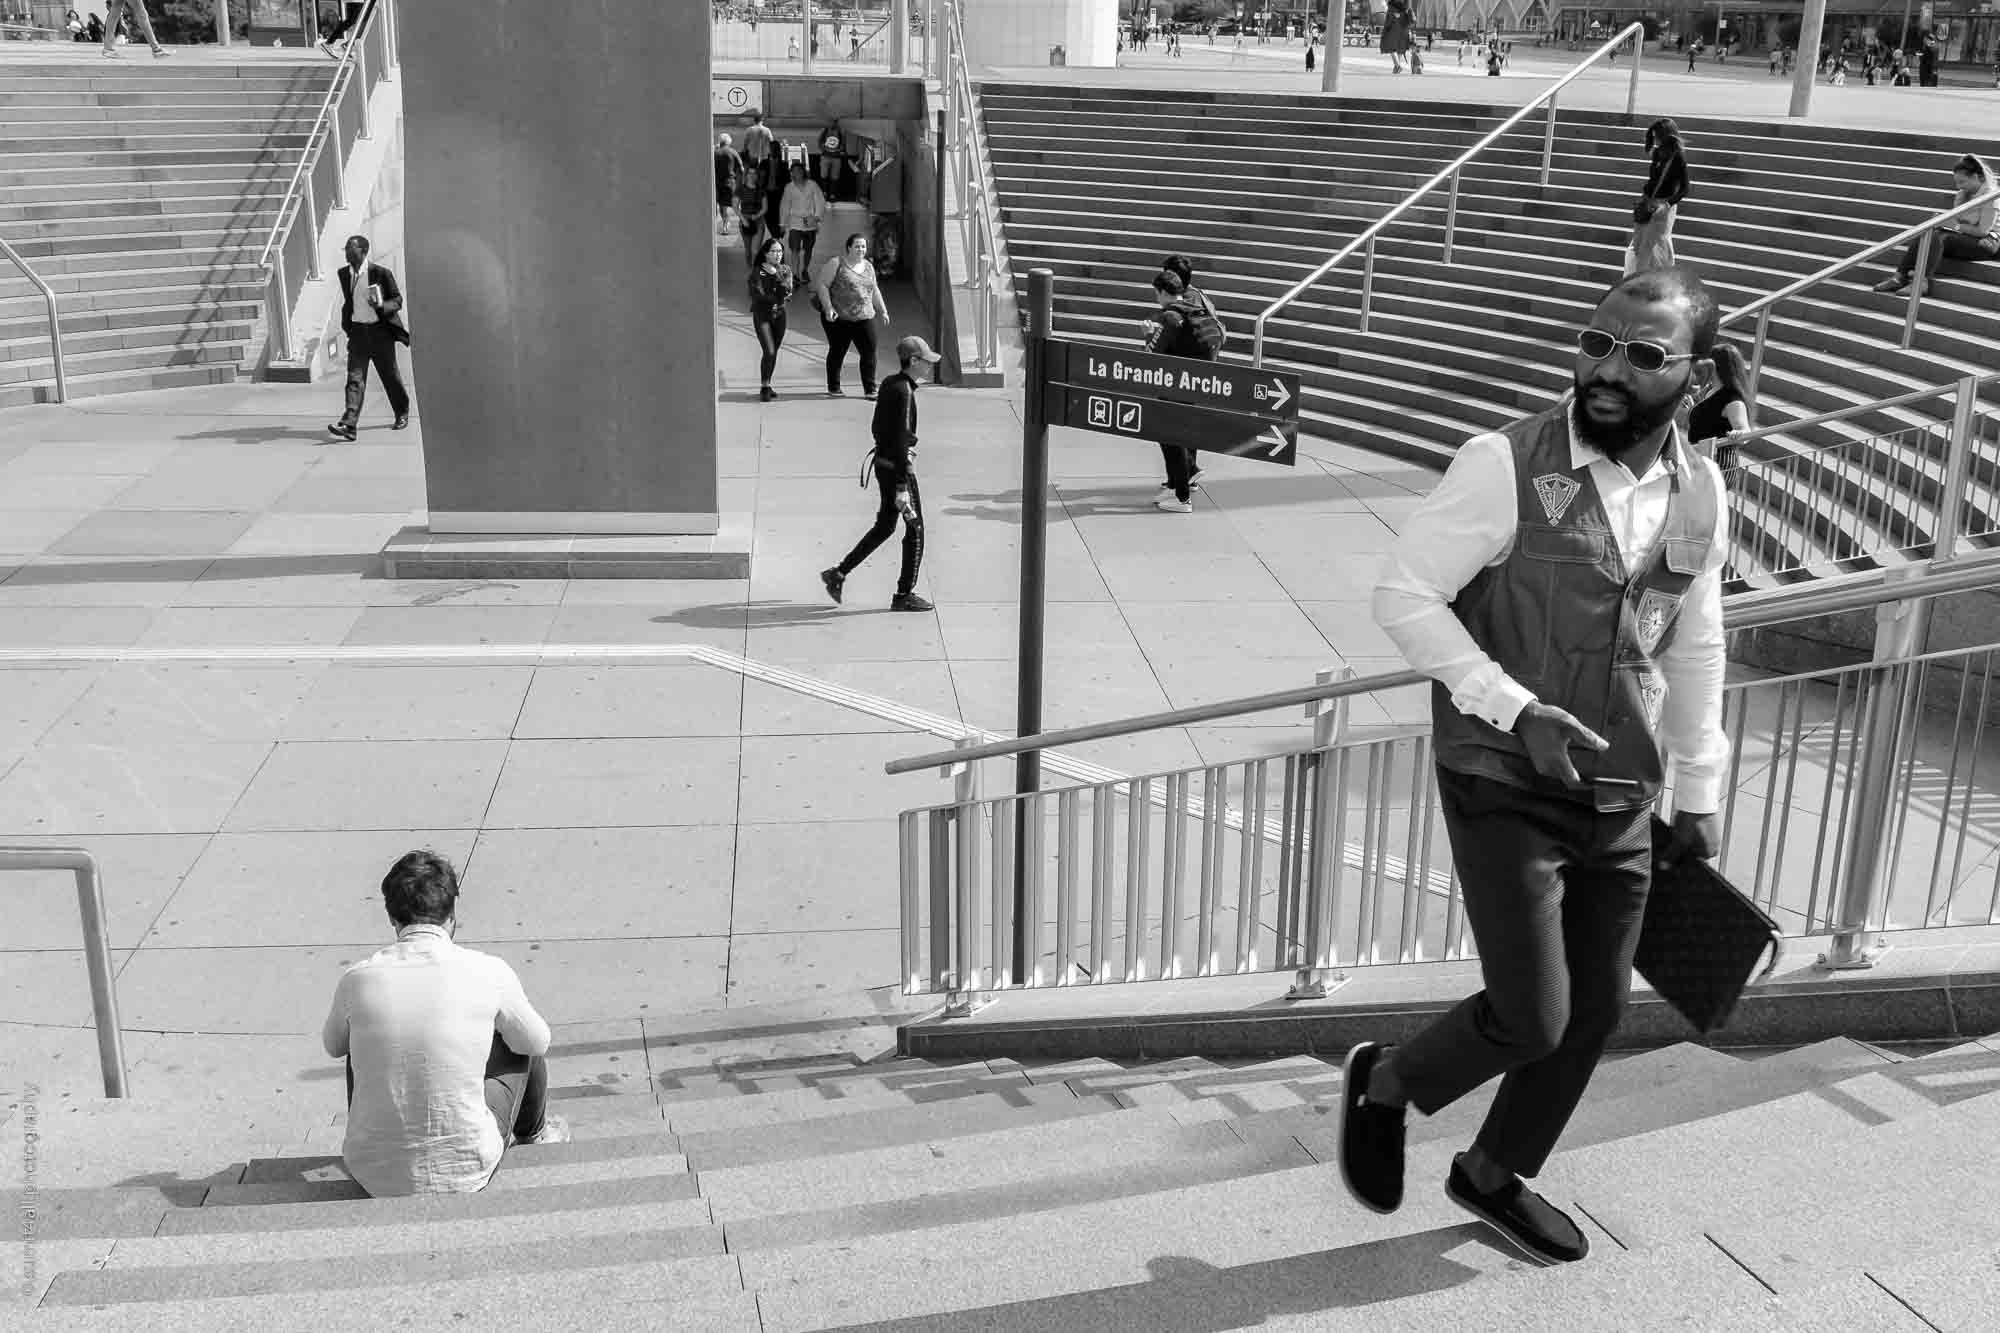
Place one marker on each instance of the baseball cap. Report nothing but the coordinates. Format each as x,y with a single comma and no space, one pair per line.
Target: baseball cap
914,348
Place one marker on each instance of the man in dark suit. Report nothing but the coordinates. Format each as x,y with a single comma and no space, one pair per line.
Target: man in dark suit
371,317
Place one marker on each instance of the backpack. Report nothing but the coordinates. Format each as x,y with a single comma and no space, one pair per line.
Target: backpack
1202,333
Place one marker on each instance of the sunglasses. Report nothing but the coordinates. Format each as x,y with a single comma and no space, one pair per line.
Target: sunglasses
1597,345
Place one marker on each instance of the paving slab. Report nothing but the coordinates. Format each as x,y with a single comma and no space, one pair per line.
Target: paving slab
609,783
647,882
385,702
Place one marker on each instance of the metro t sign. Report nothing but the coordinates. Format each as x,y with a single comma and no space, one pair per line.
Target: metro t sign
1173,400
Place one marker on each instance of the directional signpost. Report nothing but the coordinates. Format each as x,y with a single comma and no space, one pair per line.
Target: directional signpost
1205,405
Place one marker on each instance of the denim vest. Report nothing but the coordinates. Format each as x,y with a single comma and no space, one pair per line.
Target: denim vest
1563,616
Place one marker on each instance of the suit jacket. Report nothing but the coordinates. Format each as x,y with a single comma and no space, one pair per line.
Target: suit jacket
391,308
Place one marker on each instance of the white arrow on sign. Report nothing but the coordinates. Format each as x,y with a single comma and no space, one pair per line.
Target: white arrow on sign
1279,394
1278,442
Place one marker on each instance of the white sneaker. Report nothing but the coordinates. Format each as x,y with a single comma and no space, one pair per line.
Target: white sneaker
1194,478
111,53
555,1129
327,47
1173,504
161,53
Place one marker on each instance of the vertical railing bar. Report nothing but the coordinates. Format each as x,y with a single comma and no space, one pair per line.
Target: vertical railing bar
1906,740
1000,811
1036,882
1826,801
1173,856
1950,797
1250,888
909,900
1374,798
1103,871
1777,810
968,896
1742,709
1288,841
1416,875
1329,861
943,966
1428,777
1138,817
1214,810
1067,817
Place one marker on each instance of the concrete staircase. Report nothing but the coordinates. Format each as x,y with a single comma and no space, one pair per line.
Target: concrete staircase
778,1169
1097,184
143,194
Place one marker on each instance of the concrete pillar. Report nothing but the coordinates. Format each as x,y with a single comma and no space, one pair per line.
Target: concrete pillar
561,280
222,22
1806,68
899,36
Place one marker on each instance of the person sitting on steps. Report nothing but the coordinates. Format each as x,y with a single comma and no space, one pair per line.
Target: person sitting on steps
1974,235
446,1059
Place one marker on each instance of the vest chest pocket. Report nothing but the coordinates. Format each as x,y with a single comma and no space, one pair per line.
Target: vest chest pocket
1563,546
1684,555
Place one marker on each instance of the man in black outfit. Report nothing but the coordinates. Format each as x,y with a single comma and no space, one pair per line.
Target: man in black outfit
371,317
350,15
1562,586
894,460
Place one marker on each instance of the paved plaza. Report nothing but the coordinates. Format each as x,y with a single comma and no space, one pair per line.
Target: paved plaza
642,835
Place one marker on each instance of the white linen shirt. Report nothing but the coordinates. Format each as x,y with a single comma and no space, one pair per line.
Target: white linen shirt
1468,523
417,1020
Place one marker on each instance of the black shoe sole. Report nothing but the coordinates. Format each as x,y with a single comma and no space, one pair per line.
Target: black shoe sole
1346,1086
1506,1233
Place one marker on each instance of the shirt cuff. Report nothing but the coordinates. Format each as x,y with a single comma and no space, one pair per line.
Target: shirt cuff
1492,696
1697,793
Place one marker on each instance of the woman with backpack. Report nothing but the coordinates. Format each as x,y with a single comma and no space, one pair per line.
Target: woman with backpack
1666,186
1185,328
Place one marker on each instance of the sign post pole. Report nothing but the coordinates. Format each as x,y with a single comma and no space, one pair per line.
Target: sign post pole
1034,579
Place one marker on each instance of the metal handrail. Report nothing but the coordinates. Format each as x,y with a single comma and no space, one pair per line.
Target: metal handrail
55,316
1900,400
1763,305
977,181
320,124
1636,32
1748,610
96,949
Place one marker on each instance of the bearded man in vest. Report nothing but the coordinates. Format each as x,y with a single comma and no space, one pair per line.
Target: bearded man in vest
1562,587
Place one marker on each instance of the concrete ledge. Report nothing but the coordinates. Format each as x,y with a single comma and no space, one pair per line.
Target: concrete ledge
1933,986
418,553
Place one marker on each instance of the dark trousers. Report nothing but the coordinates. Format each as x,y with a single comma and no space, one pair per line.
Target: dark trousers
371,345
1948,245
517,1091
348,19
1180,468
1555,892
885,527
770,325
842,334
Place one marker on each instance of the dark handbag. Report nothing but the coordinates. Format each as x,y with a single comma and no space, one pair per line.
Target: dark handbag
1643,211
1702,938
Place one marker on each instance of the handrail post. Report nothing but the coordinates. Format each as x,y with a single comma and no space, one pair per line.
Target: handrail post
96,950
1887,701
962,996
806,36
281,313
1957,463
1632,90
360,80
1919,280
1451,215
1548,140
1367,282
310,218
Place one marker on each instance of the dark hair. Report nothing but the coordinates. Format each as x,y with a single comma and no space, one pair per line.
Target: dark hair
361,241
848,244
1180,268
1971,166
422,888
1677,286
765,248
1665,133
1170,283
1732,373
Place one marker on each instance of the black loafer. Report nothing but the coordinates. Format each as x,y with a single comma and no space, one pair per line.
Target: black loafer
341,431
1371,1136
1531,1224
834,581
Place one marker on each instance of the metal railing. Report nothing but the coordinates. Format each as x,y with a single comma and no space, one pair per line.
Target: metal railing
55,316
1925,233
972,175
294,239
96,949
1635,33
1920,492
1841,782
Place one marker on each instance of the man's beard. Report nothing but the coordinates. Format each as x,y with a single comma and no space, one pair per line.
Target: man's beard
1617,439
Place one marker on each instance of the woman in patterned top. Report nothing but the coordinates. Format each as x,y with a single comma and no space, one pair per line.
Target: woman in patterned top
849,301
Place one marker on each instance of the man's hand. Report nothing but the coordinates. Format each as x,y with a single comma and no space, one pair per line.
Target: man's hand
1696,836
1549,733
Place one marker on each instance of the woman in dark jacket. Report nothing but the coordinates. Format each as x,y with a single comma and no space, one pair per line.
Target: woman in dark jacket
770,287
1396,32
1666,185
1726,411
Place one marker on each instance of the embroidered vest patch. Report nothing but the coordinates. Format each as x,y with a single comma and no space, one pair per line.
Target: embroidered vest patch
1556,491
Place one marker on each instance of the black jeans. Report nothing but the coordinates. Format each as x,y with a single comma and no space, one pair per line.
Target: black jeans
885,527
1555,892
348,19
1180,467
371,345
842,334
517,1091
770,326
1948,245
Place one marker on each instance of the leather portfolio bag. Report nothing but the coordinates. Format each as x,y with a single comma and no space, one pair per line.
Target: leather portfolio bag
1702,939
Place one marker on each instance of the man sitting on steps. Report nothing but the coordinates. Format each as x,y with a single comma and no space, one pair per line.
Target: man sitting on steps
445,1056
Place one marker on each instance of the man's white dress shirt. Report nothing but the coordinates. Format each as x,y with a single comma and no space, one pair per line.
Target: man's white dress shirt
417,1019
1468,523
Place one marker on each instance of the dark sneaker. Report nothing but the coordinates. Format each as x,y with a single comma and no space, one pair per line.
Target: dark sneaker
908,601
767,394
340,430
867,393
836,392
402,422
1528,1222
1371,1136
1895,282
834,581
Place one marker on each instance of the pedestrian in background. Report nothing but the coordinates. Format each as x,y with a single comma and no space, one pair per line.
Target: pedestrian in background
1177,328
750,212
1659,204
371,319
1725,407
892,464
1562,586
350,15
142,25
800,212
771,282
728,179
849,300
